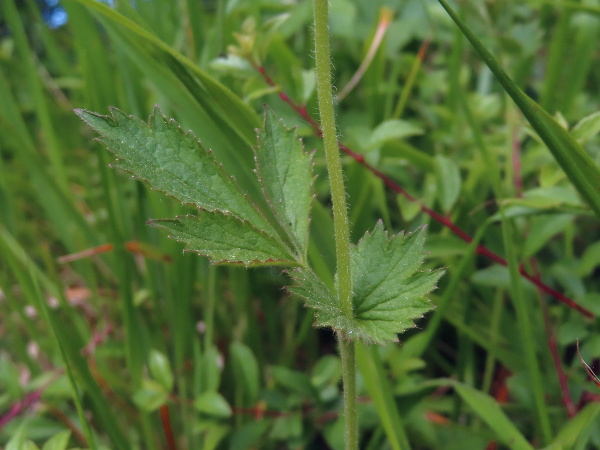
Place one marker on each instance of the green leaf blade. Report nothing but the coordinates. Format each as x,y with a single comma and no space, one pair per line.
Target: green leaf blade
388,291
488,409
225,239
581,169
316,294
285,171
448,181
172,161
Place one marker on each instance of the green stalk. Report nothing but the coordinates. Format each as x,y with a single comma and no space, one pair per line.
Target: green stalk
340,214
526,332
348,354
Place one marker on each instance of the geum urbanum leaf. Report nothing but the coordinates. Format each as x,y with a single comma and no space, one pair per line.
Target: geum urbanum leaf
226,239
285,172
388,290
229,227
170,160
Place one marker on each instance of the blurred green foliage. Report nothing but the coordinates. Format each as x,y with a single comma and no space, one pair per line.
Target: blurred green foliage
108,340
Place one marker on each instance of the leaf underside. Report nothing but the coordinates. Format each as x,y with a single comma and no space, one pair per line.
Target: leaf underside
388,291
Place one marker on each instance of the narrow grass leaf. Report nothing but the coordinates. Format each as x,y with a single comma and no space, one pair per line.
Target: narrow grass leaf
225,239
206,89
577,431
491,413
172,161
382,395
211,109
577,164
285,171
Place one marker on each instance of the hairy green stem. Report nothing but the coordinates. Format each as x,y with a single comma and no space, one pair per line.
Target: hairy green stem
340,213
348,354
332,155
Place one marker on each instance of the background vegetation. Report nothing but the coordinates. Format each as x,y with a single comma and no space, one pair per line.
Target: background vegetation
112,338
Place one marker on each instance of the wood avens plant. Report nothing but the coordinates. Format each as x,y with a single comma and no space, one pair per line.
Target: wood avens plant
378,289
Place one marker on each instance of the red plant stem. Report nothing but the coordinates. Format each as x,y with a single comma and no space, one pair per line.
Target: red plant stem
552,346
444,221
562,377
481,250
20,407
30,400
166,424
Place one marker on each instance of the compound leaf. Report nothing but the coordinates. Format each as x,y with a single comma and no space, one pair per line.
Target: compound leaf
285,171
225,239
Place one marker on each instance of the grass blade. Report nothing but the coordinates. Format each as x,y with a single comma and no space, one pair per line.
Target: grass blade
577,164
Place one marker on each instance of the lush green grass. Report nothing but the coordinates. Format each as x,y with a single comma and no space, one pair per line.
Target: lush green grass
105,344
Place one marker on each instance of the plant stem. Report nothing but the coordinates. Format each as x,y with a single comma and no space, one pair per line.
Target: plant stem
348,354
332,156
340,213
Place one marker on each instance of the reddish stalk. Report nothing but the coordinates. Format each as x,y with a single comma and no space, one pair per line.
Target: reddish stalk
552,346
30,400
165,419
135,247
20,407
444,221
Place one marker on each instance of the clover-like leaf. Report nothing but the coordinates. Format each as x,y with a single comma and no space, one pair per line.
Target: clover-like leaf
172,161
388,290
225,239
285,171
